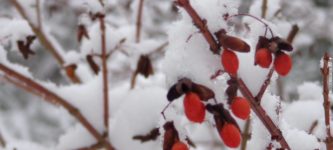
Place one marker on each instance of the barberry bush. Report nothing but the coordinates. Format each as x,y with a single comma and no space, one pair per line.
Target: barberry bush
160,74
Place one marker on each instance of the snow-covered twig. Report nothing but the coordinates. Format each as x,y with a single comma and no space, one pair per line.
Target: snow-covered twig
325,72
293,32
313,126
31,86
105,73
39,15
139,22
45,41
201,25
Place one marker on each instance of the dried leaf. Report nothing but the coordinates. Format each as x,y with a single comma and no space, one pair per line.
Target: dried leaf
151,136
24,47
263,42
170,135
92,64
82,32
144,66
231,42
70,71
282,44
204,92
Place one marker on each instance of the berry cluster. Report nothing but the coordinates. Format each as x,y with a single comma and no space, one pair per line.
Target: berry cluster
274,46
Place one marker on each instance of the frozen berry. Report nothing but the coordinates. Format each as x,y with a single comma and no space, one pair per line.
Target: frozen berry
230,135
194,108
229,61
179,146
263,58
282,63
241,108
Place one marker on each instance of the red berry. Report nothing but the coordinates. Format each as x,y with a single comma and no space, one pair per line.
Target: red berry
194,108
229,61
241,108
282,63
230,135
179,146
263,57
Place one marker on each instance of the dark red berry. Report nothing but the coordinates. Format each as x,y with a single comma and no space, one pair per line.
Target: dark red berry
263,58
194,108
282,63
241,108
229,61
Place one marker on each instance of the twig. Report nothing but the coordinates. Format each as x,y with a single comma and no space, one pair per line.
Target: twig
201,24
293,32
2,141
37,89
105,74
139,22
264,8
261,113
264,85
246,135
325,73
44,40
313,126
39,18
275,132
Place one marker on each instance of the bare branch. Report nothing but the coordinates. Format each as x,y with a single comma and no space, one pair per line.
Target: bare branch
37,89
264,8
139,22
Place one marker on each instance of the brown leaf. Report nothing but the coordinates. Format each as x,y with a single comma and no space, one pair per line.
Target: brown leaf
144,66
221,115
92,64
263,42
182,86
82,32
204,92
282,44
152,135
70,71
231,42
170,135
24,47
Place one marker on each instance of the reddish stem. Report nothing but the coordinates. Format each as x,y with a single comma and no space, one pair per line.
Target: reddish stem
105,74
265,85
325,72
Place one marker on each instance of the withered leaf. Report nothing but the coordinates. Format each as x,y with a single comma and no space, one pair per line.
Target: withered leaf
70,71
152,135
263,42
231,42
144,66
173,93
24,46
231,92
282,44
92,64
221,115
82,32
204,92
182,86
170,135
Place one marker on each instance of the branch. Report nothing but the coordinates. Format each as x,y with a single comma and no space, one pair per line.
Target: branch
261,113
45,40
105,74
325,72
201,24
37,89
139,22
